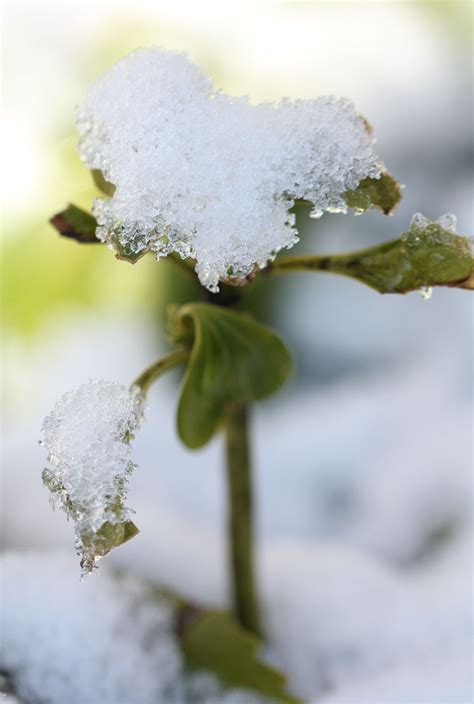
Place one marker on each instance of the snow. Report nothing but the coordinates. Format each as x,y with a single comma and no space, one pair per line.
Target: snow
211,176
87,438
108,640
447,681
336,617
345,628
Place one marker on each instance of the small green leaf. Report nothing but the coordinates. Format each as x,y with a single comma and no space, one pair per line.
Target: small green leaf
213,641
93,544
77,224
425,256
101,183
109,536
233,358
383,193
81,226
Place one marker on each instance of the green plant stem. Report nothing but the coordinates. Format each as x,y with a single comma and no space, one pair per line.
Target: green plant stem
240,519
146,378
307,262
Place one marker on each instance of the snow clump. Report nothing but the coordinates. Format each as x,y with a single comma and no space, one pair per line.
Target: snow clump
87,438
208,175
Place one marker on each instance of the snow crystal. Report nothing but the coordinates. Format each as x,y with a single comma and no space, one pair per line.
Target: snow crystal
87,437
110,641
448,222
208,175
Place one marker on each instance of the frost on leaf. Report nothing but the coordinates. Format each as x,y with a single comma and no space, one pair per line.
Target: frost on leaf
87,438
207,175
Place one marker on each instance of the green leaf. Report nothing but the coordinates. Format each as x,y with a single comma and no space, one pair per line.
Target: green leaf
383,193
93,544
81,226
77,224
425,256
109,536
213,641
101,183
233,359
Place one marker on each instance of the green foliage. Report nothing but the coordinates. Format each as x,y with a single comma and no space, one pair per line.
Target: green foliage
77,224
423,257
429,256
233,359
42,277
213,641
109,536
383,193
93,543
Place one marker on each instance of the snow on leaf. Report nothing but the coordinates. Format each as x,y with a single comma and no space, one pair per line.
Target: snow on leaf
87,438
429,254
383,193
211,176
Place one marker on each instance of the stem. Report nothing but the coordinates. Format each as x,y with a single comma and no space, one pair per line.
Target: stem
146,378
307,262
240,524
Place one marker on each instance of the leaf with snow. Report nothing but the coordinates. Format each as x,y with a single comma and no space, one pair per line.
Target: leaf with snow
383,193
429,254
210,176
87,438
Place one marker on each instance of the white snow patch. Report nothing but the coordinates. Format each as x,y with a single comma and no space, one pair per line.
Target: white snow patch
448,680
87,437
108,640
336,617
211,176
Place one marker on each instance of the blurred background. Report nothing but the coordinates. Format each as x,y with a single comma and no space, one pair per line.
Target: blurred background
363,463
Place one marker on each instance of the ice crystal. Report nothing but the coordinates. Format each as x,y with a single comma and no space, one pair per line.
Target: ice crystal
87,437
448,222
208,175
